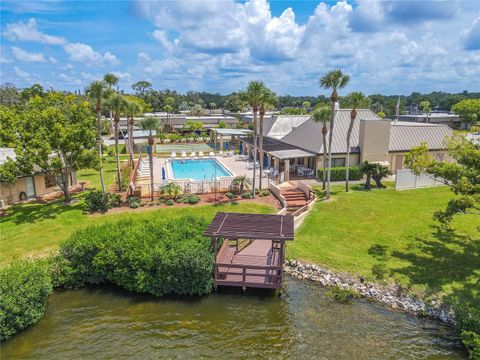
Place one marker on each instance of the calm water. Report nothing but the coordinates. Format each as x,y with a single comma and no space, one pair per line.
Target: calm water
200,169
301,324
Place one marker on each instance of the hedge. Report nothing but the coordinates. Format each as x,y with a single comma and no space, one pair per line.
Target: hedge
24,290
150,256
339,173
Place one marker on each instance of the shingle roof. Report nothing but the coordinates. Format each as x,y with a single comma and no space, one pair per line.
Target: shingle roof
405,135
280,125
308,136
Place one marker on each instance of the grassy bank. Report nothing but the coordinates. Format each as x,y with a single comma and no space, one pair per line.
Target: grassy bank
391,234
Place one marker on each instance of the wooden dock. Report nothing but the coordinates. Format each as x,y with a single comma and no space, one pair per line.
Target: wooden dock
252,249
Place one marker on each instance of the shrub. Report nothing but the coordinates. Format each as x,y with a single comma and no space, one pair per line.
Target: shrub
125,177
97,201
115,200
24,290
247,195
342,295
192,199
339,173
265,192
468,320
169,202
471,341
133,202
154,256
229,195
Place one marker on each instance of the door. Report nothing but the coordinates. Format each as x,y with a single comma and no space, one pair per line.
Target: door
398,162
30,187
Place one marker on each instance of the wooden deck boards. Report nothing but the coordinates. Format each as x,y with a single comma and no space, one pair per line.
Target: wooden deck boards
258,254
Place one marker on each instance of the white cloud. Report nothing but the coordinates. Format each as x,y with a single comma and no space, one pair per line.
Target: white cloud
52,60
123,76
27,31
84,53
23,55
21,74
70,80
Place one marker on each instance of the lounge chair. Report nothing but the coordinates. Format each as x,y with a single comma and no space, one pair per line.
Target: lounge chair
211,154
220,153
200,154
174,155
184,154
193,154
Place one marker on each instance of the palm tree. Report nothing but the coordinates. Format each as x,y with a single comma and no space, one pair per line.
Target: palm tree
168,108
425,105
132,108
117,105
241,182
111,80
97,92
150,123
267,101
322,115
333,80
355,99
252,96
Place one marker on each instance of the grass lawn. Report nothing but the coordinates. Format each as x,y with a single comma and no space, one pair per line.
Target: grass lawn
36,229
357,230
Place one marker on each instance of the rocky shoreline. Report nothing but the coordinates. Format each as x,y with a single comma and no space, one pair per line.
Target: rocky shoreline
390,295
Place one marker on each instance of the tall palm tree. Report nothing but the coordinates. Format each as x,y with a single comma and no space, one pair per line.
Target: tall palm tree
111,80
97,92
132,108
267,101
252,96
117,105
355,100
322,115
333,80
150,123
168,108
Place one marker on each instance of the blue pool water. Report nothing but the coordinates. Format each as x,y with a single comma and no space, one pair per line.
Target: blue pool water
198,169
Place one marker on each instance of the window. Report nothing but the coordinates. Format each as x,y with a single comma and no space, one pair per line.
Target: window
340,162
49,180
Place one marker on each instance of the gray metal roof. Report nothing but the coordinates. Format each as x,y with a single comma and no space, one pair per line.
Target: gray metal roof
405,135
280,125
226,131
291,154
308,136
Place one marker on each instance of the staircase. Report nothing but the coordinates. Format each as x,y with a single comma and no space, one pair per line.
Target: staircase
295,199
144,168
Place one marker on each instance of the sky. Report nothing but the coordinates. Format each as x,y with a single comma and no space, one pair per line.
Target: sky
388,47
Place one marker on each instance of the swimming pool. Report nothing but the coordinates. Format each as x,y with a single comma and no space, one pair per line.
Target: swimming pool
198,169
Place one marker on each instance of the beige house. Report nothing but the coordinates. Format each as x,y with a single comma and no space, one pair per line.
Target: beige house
28,186
297,140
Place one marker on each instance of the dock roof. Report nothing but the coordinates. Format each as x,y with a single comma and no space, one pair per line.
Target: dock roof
251,226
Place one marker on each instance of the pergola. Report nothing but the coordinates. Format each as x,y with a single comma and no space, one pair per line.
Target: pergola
253,248
232,133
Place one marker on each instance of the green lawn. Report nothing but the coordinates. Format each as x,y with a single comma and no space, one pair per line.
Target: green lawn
357,230
31,230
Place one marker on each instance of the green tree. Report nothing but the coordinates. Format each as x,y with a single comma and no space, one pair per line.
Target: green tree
381,114
306,105
468,110
168,108
32,91
234,103
462,176
425,106
98,92
56,135
333,80
321,115
117,104
241,182
354,100
133,107
268,100
141,87
151,124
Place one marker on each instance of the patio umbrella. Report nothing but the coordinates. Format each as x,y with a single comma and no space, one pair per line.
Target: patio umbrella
163,173
226,146
266,162
240,148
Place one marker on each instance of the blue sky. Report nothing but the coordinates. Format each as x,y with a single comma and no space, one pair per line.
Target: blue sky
390,47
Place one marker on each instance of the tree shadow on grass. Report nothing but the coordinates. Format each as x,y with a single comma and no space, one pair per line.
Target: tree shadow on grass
447,258
32,212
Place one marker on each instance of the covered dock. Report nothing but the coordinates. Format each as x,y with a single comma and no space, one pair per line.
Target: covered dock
249,249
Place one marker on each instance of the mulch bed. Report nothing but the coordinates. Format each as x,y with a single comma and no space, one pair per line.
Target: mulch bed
205,199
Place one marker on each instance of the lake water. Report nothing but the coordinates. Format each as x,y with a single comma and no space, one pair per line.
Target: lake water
302,323
199,169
